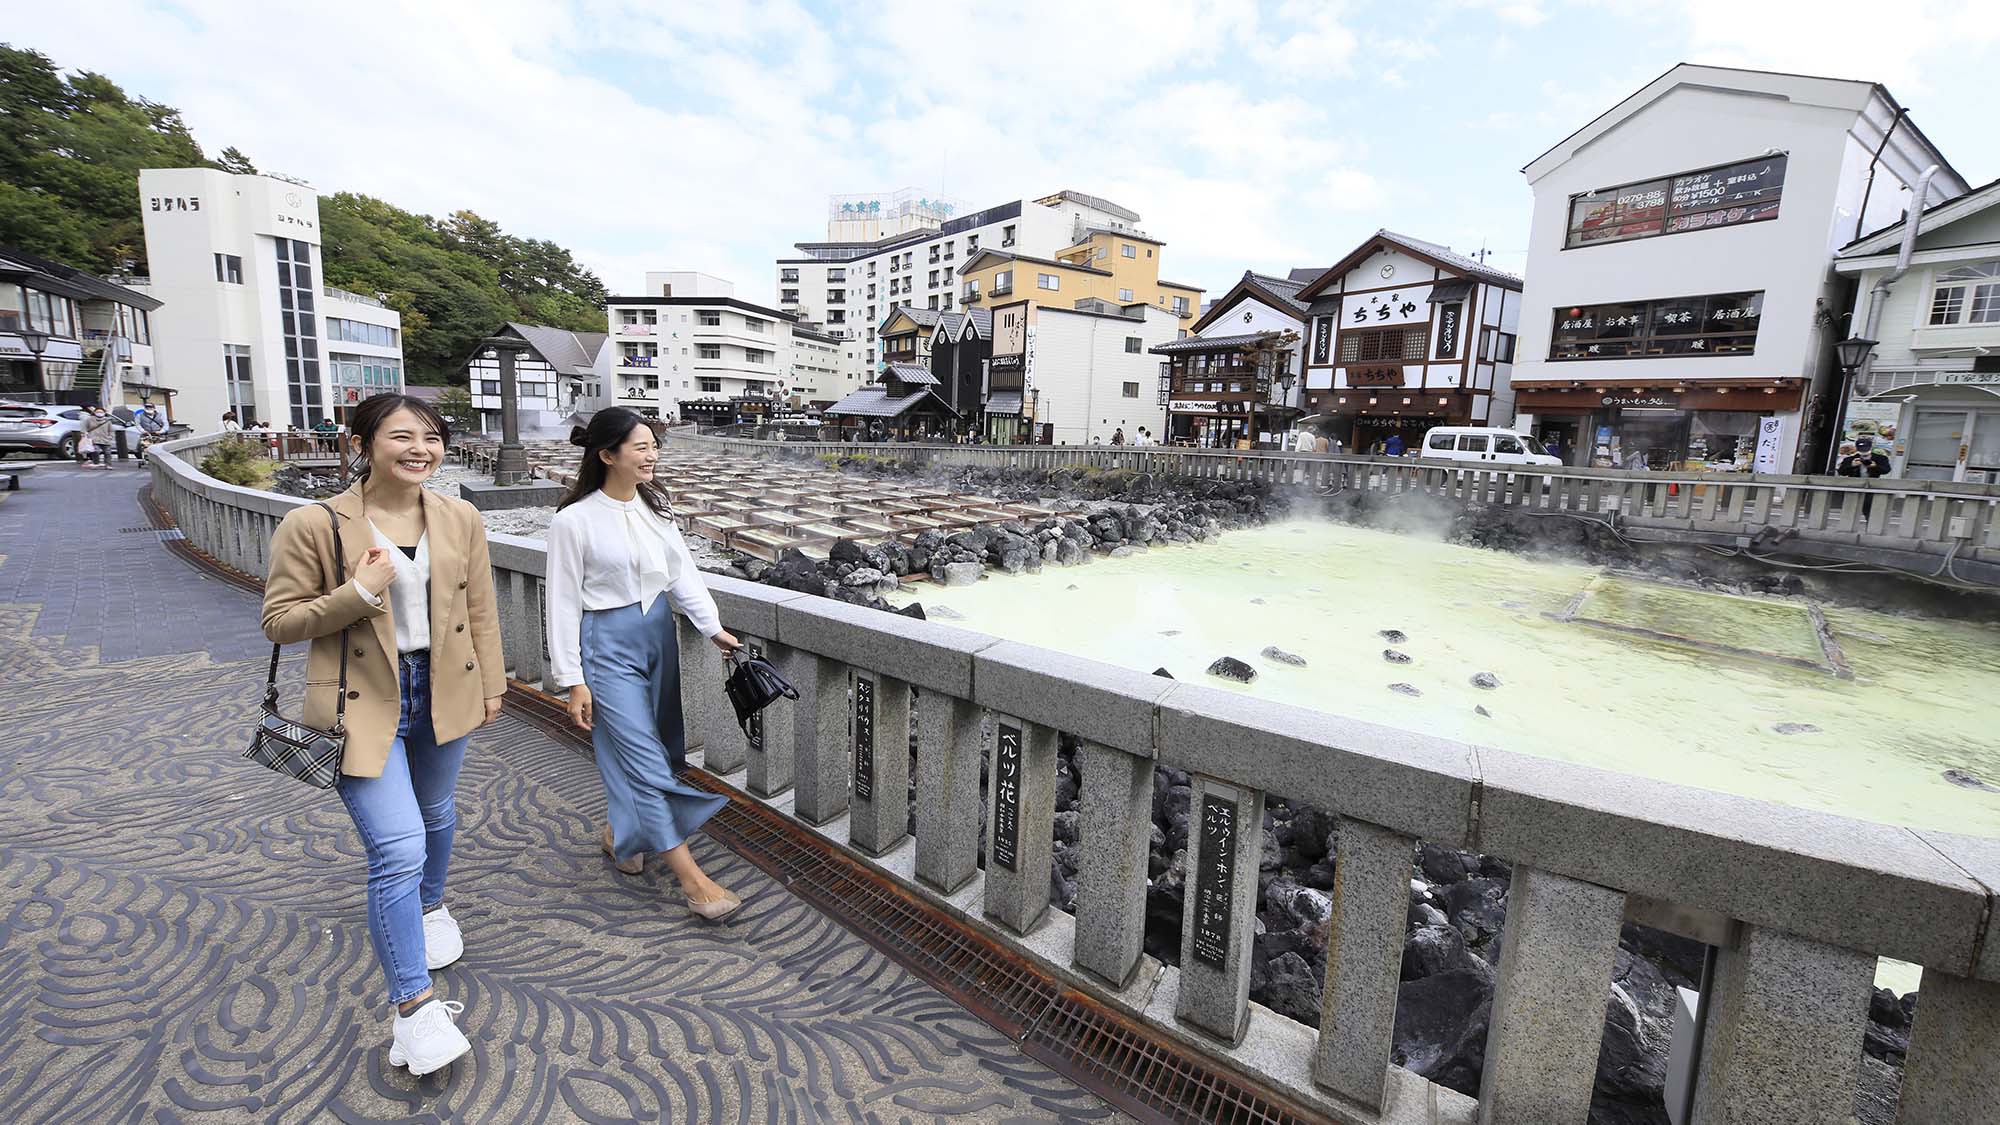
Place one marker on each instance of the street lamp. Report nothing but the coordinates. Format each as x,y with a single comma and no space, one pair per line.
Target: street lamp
511,466
37,342
1852,355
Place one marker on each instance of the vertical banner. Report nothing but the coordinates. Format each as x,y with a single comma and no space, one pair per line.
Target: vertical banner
864,738
1448,330
1768,431
1215,880
1007,798
1322,338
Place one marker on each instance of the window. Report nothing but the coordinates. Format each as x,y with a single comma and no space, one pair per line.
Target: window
1180,306
789,296
756,355
1711,197
752,324
833,275
1128,250
1507,443
1003,282
295,294
709,386
788,277
1131,390
1007,236
972,288
242,389
638,355
1472,443
1101,253
1503,348
1048,281
355,331
486,387
836,296
971,243
934,300
836,316
1125,295
709,319
947,251
1378,345
947,301
229,269
1134,345
708,351
1440,441
1967,295
1715,324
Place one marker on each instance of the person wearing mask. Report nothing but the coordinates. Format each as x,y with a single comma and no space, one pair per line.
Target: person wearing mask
100,436
416,627
617,570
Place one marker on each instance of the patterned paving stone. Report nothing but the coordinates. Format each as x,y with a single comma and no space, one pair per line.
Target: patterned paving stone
182,938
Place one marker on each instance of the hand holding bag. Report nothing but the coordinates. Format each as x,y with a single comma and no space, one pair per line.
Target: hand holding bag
753,685
289,746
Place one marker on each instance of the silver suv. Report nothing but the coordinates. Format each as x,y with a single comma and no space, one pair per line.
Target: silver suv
52,431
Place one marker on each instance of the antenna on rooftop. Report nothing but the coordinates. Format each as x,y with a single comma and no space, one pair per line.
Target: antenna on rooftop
1483,251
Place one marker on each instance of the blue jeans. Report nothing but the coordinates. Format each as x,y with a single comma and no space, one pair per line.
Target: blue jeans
406,820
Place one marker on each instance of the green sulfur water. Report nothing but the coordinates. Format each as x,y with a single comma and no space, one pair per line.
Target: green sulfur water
1921,701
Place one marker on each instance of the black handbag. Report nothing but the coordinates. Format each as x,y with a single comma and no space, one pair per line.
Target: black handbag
753,685
289,746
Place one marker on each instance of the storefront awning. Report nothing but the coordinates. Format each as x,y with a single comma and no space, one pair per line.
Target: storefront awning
1003,402
1449,290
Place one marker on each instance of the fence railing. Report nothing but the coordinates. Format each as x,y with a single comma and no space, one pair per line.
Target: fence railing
1923,526
1800,903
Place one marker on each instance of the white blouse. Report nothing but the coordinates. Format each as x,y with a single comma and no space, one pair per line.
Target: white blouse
409,593
606,554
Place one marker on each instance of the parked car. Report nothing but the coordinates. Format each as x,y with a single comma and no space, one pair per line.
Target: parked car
1489,445
51,431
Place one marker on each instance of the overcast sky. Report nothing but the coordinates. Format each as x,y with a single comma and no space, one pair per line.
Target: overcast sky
653,134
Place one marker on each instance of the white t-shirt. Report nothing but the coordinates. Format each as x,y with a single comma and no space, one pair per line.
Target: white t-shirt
409,593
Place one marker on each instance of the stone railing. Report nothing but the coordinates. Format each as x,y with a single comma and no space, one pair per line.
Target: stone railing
1921,526
1799,904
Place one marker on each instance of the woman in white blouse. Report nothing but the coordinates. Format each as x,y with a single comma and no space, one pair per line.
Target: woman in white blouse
616,562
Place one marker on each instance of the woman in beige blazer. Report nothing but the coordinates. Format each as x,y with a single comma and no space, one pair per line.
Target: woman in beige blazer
422,645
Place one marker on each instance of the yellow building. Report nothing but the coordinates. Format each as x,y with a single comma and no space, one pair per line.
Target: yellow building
1119,267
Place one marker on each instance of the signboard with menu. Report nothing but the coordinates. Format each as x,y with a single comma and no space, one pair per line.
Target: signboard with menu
1729,195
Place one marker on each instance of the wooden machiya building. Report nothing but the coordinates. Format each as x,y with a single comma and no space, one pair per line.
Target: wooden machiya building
1403,335
1235,377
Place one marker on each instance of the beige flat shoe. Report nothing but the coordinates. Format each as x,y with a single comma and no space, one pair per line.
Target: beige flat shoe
631,866
717,908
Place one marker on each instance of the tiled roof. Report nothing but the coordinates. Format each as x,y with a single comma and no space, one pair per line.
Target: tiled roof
1211,343
570,353
1471,267
913,373
874,402
1284,288
1003,402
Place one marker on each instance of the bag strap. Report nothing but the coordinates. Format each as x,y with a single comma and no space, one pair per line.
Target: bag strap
339,580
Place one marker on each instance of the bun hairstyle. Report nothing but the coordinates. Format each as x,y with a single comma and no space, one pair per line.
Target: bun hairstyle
608,430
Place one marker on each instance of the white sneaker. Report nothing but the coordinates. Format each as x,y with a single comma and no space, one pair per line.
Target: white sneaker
443,944
429,1039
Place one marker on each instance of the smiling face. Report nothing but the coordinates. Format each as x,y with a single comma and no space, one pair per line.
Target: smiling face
405,448
633,460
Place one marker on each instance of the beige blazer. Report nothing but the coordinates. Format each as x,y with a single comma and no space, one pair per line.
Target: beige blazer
466,666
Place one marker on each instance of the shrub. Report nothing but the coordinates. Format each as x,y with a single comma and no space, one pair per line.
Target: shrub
239,461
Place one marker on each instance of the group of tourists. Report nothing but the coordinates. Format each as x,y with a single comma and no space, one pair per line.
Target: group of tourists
415,627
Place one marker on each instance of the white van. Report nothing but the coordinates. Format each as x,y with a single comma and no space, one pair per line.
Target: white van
1489,445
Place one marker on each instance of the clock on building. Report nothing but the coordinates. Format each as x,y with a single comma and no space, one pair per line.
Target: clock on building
1388,270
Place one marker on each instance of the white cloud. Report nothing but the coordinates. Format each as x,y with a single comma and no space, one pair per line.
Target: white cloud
1900,46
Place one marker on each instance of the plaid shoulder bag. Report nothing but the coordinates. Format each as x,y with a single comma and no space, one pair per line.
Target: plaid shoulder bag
289,746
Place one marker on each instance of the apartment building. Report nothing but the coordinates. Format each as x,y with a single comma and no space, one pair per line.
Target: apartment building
95,337
1680,309
1121,267
853,280
246,322
1075,376
559,373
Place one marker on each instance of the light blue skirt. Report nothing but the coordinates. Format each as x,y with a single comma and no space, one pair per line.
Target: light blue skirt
631,664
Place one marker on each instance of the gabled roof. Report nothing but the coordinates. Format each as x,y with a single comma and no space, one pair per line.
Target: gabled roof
1841,93
567,352
1280,293
874,402
1213,343
1443,257
1890,237
920,317
983,253
915,374
44,273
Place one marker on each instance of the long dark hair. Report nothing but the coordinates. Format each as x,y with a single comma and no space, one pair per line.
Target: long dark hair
374,410
607,431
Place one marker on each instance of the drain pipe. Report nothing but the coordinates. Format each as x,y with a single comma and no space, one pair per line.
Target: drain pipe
1879,295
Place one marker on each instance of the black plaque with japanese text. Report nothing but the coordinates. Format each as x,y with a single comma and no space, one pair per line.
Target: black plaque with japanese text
1322,338
1007,799
1215,881
1448,330
864,738
753,731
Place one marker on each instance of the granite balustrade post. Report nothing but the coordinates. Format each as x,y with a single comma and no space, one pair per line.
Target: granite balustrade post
948,809
1952,1071
1548,999
879,722
1219,914
1783,1039
820,753
1020,805
1364,960
769,759
1116,827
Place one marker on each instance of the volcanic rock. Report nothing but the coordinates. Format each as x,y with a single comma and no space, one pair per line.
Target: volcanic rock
956,574
1405,689
1230,668
1485,680
1394,636
1274,653
1968,781
1394,657
1795,728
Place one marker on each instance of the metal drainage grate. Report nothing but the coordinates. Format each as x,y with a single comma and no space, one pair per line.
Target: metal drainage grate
177,543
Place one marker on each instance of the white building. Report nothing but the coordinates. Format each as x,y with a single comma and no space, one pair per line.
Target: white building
1680,309
1930,394
1076,376
850,282
560,374
670,350
247,322
1406,334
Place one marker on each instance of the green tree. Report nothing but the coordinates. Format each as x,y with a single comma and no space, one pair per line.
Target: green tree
456,407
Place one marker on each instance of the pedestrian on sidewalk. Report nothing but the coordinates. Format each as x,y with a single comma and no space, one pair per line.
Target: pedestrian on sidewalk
422,653
617,569
100,432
